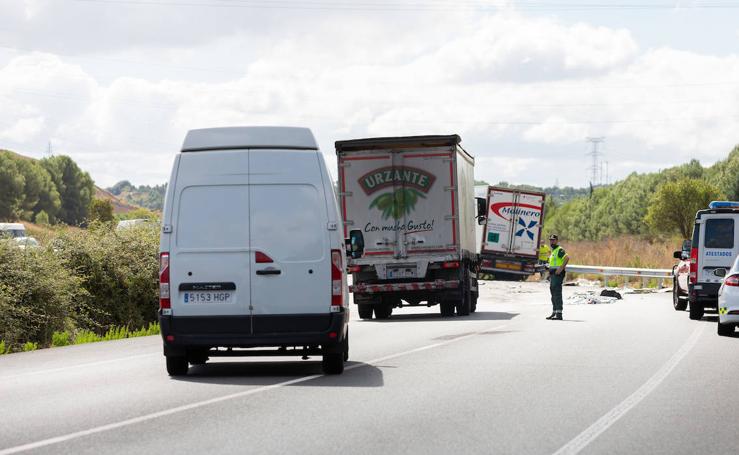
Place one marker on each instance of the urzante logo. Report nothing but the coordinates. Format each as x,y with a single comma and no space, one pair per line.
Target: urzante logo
719,253
506,209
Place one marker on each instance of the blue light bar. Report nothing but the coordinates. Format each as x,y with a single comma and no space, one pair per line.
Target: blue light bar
723,205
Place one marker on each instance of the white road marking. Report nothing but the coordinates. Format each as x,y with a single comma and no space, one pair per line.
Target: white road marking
593,431
187,407
72,367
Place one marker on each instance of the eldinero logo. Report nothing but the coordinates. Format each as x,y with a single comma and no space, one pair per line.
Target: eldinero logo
385,177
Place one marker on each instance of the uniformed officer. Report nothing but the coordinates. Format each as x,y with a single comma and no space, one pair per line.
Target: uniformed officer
557,262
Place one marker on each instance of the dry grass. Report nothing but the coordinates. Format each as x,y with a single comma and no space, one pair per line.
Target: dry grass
626,251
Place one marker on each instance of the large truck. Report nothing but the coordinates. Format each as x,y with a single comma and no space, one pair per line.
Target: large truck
512,234
409,219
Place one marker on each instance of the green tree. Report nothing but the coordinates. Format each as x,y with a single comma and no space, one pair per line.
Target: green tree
100,210
11,189
42,218
39,191
76,188
673,206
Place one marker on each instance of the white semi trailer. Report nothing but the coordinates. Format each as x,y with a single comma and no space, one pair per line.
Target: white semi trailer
409,213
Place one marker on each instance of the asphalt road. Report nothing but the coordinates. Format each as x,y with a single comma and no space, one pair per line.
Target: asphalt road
629,377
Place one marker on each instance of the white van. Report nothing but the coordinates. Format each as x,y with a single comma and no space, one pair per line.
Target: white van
12,230
715,244
251,255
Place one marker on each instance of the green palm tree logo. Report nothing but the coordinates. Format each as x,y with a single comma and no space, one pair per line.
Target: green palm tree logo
398,203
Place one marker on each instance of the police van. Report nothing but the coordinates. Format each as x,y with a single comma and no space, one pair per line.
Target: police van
714,246
252,257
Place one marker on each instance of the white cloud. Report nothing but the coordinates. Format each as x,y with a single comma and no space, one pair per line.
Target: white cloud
522,92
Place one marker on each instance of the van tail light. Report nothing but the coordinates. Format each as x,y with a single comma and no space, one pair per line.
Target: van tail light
337,298
450,265
693,277
354,268
262,258
731,280
164,298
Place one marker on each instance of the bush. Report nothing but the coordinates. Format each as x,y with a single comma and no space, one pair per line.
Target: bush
30,346
118,270
60,339
38,296
3,350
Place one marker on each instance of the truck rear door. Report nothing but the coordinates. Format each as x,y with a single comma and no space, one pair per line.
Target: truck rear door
514,222
402,201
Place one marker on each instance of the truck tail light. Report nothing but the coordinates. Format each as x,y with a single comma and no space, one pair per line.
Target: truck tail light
731,280
337,275
450,265
354,268
164,298
693,277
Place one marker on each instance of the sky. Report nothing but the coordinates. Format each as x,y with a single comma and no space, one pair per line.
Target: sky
116,84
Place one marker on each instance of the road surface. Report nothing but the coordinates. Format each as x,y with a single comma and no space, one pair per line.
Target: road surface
634,376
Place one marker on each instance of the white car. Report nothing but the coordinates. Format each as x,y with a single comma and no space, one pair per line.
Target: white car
728,301
26,242
252,253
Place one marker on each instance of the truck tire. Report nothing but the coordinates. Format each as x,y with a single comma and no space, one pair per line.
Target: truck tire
678,303
725,330
464,305
696,311
383,310
473,307
364,310
446,308
177,365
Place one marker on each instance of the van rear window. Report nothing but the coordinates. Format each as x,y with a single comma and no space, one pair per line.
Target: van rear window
213,217
719,233
288,222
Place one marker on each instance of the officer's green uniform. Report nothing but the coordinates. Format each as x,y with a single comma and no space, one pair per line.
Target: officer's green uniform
556,259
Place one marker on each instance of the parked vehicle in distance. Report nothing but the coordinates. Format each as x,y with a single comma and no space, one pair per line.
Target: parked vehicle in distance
714,246
728,301
12,230
125,224
680,277
26,242
409,214
510,243
251,255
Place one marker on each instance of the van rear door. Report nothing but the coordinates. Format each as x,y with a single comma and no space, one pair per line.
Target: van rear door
210,257
289,228
719,246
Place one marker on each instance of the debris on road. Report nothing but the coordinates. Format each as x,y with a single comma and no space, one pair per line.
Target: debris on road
589,298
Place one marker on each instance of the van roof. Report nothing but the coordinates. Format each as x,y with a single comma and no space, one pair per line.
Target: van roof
399,142
699,214
249,137
8,226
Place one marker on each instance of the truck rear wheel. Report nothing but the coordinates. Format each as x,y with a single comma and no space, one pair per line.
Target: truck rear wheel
364,310
464,305
696,310
473,307
446,308
383,310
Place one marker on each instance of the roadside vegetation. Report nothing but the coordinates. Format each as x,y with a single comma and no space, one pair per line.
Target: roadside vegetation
82,285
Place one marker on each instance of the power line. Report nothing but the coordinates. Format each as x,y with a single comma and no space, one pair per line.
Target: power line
595,154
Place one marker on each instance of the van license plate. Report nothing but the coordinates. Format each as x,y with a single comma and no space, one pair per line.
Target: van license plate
207,297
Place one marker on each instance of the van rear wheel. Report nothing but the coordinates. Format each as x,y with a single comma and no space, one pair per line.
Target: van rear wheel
177,365
678,303
696,311
447,309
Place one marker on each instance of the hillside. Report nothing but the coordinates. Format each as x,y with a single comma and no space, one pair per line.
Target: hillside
150,197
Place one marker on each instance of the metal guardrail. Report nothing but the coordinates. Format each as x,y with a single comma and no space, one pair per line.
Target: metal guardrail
620,271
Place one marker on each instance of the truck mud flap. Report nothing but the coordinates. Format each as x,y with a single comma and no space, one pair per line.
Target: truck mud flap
395,287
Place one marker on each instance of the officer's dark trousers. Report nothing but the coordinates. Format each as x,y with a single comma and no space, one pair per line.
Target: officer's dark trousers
555,287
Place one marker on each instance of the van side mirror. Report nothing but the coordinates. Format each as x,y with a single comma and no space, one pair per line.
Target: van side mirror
677,254
355,244
482,210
